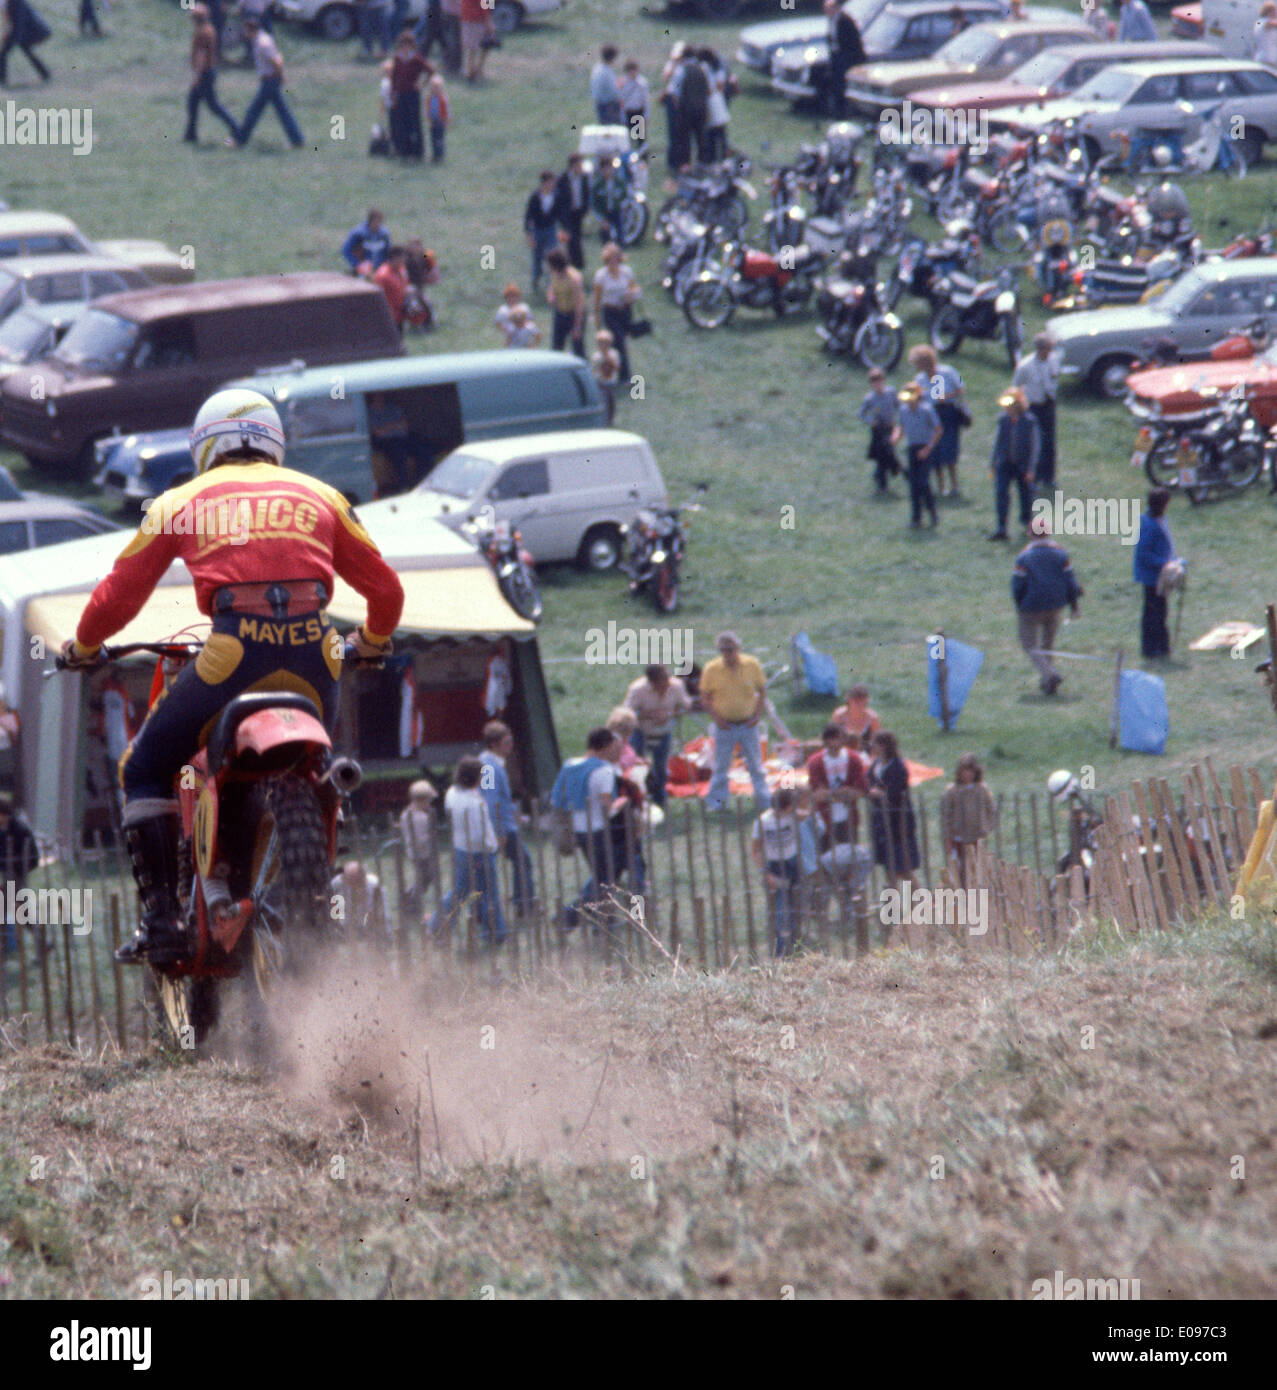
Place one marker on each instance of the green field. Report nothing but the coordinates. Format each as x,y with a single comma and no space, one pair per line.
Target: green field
756,409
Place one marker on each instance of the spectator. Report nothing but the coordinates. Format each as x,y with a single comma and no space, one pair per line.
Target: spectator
367,243
590,788
474,856
734,694
1038,374
566,295
19,856
627,827
478,34
24,29
616,291
635,97
943,387
88,21
417,835
432,30
1097,19
270,91
967,815
422,270
846,51
837,780
540,223
622,721
607,197
656,698
678,152
498,744
775,849
513,297
407,68
692,88
895,834
571,204
438,115
374,28
717,114
391,277
1042,583
856,719
523,330
450,38
919,426
1265,50
359,903
252,9
204,76
878,411
605,363
605,91
959,17
1153,552
393,466
1136,24
1017,10
1014,459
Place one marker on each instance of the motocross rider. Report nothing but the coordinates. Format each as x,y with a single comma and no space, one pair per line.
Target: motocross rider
262,543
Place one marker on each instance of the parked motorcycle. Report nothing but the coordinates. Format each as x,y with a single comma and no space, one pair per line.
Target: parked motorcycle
259,806
923,265
967,308
853,317
502,546
1219,452
719,195
654,543
1165,150
756,279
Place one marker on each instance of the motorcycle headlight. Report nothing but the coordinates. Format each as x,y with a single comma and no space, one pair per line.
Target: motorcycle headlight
1005,302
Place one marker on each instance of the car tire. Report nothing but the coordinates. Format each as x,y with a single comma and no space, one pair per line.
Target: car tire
336,23
1107,377
600,549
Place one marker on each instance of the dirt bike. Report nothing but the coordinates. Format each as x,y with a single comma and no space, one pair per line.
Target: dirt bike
259,808
654,552
502,546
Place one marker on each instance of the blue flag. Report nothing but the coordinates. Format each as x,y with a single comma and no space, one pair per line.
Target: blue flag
820,671
1143,719
964,666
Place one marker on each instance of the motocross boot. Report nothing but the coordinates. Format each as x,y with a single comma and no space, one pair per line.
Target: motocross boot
153,851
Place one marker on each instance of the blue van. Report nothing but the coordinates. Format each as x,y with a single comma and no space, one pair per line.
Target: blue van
375,428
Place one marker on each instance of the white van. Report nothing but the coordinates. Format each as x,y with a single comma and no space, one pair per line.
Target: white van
569,492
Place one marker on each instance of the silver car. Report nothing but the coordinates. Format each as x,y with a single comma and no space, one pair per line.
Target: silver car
1204,305
1170,94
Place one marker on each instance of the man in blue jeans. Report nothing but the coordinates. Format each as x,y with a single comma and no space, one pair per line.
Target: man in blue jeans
656,699
474,857
498,744
734,694
270,92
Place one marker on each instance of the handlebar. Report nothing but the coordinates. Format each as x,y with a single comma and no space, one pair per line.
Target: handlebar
182,651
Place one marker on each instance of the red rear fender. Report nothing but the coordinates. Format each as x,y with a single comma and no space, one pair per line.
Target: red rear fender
260,733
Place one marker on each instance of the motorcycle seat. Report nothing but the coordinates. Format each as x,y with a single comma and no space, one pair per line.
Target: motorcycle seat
961,281
222,739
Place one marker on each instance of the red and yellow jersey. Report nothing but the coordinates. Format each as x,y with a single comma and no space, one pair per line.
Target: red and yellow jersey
245,523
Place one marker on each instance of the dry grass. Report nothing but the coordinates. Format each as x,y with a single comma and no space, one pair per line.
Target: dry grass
904,1126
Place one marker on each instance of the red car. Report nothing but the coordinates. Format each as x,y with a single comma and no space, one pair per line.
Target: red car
1188,387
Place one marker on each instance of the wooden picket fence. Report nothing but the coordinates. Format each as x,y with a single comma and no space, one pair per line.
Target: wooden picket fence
1162,856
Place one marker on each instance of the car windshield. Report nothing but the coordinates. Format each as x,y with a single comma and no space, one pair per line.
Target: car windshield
98,339
1110,85
884,33
1043,69
20,335
459,475
971,46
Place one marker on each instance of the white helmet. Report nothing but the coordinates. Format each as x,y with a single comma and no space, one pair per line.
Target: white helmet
1062,784
235,419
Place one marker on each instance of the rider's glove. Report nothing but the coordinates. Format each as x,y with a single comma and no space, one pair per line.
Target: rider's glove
77,658
370,648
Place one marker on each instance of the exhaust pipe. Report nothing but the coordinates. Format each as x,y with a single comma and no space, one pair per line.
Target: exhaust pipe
345,774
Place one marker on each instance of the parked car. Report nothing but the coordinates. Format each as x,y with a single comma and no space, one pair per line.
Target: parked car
431,403
32,332
32,233
31,519
569,493
898,33
1053,73
146,359
1168,94
63,279
1206,304
1189,388
982,53
759,43
339,19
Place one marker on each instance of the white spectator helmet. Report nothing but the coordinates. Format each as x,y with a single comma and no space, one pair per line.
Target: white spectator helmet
1062,784
232,420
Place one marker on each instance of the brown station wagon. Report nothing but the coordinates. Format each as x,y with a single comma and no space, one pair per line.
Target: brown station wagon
146,359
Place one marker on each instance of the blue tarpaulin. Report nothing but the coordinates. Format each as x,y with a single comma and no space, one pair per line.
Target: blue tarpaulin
820,671
964,666
1143,718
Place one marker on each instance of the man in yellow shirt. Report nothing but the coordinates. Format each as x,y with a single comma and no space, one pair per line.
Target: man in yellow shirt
734,693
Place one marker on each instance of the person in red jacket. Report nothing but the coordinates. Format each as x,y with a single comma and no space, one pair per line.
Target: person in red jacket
837,778
262,544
